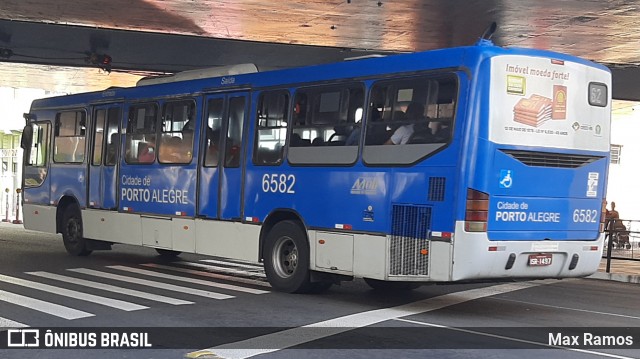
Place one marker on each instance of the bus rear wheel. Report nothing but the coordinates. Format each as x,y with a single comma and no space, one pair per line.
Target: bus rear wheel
72,237
386,286
286,259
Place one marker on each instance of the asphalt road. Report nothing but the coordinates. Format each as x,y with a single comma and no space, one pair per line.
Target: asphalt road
193,307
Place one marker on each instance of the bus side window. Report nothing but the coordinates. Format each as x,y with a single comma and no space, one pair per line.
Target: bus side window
271,128
328,116
69,140
140,140
178,122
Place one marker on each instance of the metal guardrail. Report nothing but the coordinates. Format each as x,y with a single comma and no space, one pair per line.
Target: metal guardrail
622,240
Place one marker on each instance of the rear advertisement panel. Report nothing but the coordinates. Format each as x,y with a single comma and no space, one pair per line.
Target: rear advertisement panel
549,103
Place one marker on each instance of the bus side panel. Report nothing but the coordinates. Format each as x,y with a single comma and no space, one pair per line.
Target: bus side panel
112,226
68,180
333,198
227,239
158,189
39,218
40,194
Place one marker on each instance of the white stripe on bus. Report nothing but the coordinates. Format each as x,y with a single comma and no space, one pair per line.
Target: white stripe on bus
109,302
42,306
111,288
222,269
149,283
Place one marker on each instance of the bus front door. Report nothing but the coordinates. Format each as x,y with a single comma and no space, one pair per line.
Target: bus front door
221,171
104,154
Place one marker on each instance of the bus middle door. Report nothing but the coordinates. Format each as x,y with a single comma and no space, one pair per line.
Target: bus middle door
105,146
221,171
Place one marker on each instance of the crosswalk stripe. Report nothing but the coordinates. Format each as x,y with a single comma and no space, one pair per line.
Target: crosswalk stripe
189,280
175,288
234,264
209,274
111,288
109,302
222,269
42,306
8,324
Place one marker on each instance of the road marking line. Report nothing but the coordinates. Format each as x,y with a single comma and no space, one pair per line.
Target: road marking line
234,264
223,269
297,336
573,309
188,280
191,280
512,339
109,302
42,306
211,275
175,288
9,324
111,288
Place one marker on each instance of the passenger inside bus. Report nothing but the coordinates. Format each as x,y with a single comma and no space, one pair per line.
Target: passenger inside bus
213,140
374,133
145,153
174,150
415,114
441,131
112,147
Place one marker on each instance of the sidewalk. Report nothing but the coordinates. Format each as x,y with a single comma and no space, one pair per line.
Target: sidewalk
621,270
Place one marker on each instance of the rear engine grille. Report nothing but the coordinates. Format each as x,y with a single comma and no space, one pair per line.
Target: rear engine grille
409,237
546,159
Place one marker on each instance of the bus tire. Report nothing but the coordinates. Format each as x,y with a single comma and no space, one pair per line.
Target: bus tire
72,237
286,260
167,253
386,286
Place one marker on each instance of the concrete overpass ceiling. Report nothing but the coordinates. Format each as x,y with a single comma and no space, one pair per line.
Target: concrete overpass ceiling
173,35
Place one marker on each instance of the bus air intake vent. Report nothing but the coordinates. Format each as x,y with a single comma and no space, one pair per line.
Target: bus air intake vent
436,189
409,249
546,159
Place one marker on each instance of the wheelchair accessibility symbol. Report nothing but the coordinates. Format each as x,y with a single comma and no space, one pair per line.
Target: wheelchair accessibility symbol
505,179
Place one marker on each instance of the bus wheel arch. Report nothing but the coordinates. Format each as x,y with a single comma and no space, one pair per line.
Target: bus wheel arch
286,256
69,224
272,219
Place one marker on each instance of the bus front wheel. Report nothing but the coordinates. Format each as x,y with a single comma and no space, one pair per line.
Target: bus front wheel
74,242
286,259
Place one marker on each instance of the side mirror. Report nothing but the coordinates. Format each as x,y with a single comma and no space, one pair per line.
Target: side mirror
26,141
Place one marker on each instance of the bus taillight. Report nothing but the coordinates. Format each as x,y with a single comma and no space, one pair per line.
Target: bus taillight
477,211
603,214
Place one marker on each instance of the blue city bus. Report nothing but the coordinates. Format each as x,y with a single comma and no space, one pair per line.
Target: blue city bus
476,163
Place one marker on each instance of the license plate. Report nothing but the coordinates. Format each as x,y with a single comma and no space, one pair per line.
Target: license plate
538,260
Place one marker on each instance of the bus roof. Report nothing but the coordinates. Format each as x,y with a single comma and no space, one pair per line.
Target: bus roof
458,57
